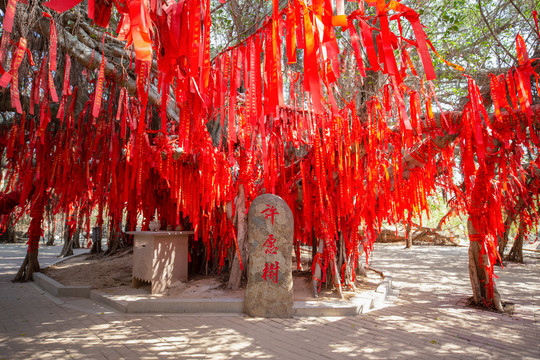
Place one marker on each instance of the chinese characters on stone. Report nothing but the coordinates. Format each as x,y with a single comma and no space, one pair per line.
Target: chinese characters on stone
270,211
270,245
270,271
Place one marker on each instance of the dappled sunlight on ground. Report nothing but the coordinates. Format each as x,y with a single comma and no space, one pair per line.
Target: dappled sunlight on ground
428,320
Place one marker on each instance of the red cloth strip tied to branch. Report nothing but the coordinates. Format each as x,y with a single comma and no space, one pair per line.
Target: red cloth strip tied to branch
66,89
52,58
9,16
140,34
420,35
98,94
12,77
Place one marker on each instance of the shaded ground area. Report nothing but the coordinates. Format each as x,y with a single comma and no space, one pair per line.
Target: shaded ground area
428,321
113,274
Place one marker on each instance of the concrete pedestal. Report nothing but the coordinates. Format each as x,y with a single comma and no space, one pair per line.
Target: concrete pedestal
160,257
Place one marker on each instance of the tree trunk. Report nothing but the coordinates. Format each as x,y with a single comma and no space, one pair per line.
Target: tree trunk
481,281
298,254
67,249
76,238
408,244
345,263
31,263
235,279
516,253
504,241
77,233
50,239
316,268
336,278
360,264
50,224
115,241
348,274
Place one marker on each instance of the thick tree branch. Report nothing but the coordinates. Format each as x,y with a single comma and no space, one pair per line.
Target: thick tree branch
82,53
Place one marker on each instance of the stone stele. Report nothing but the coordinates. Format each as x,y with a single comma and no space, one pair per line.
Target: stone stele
269,291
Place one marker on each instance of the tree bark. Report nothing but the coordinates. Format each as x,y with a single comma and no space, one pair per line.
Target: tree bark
67,249
50,223
479,276
298,254
360,264
77,233
31,263
316,271
516,253
336,278
86,56
408,243
235,279
52,227
504,240
345,263
115,241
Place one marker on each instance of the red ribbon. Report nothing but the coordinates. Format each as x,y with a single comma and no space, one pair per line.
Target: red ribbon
420,35
232,101
368,44
52,59
9,16
66,91
13,75
355,39
291,35
98,94
61,5
311,76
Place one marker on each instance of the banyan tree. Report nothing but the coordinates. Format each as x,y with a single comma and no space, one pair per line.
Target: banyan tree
126,107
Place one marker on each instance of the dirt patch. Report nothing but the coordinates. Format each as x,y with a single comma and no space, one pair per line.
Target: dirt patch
113,275
96,272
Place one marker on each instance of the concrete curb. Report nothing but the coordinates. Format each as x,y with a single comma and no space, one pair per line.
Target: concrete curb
359,304
53,287
370,300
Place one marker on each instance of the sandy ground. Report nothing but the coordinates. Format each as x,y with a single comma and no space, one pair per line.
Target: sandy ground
113,275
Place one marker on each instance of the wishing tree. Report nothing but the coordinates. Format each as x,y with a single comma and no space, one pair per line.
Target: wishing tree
119,121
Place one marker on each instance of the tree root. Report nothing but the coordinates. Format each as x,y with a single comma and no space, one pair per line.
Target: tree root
505,308
29,266
376,271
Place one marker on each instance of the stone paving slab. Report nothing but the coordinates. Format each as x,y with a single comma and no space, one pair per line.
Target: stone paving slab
427,321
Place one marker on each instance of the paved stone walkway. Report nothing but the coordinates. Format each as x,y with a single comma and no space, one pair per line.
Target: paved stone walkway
428,321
